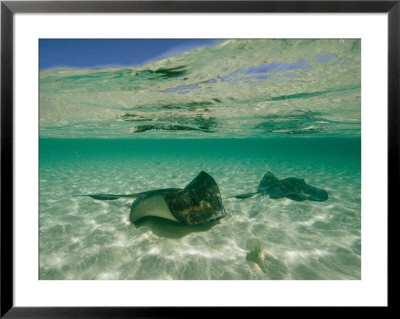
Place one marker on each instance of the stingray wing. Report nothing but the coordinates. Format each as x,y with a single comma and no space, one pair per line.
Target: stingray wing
268,181
198,203
298,190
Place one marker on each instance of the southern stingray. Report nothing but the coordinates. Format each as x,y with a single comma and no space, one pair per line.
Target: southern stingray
293,188
197,204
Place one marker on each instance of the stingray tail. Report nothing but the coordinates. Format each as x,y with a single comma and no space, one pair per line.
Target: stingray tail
110,196
243,196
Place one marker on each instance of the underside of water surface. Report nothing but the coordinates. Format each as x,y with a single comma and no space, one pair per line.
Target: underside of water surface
238,88
235,110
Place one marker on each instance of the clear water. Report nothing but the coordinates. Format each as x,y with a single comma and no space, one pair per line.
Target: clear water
235,110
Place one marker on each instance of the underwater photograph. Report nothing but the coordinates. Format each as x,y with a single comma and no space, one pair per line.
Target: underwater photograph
199,159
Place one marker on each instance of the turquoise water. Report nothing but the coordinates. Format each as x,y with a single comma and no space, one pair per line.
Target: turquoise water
236,111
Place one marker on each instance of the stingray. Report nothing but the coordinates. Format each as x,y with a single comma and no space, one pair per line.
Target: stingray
293,188
198,203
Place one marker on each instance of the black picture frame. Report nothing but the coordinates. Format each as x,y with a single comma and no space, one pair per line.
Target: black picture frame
9,8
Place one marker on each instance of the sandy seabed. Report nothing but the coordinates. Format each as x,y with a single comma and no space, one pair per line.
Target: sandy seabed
83,238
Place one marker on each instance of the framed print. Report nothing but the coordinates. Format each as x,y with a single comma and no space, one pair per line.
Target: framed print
163,155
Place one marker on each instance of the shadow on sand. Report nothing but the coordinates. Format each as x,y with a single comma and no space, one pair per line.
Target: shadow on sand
170,229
